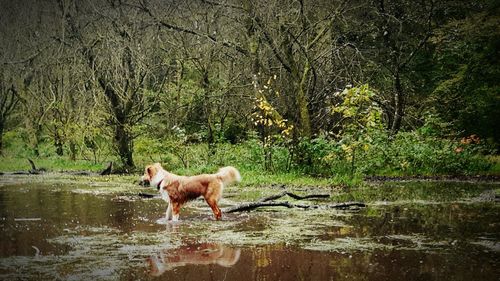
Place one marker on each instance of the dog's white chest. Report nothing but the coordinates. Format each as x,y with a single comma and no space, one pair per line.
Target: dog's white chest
164,195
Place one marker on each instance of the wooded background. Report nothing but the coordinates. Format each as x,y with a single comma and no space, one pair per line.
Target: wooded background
84,74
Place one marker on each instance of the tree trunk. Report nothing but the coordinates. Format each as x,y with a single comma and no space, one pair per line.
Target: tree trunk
399,105
353,162
303,104
36,142
1,136
123,141
205,84
58,143
72,150
122,136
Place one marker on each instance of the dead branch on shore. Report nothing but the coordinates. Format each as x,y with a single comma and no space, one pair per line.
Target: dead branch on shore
34,170
147,195
108,169
254,205
267,202
294,196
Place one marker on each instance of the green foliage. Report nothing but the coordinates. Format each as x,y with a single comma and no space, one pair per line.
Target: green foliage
276,132
94,145
235,132
310,155
246,95
363,118
427,150
407,153
467,88
358,109
14,144
421,152
414,153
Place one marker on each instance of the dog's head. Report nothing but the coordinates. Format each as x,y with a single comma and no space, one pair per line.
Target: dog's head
153,174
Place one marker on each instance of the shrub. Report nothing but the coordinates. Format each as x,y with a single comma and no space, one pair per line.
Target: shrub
414,153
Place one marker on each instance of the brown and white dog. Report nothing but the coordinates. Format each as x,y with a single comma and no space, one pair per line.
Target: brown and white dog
177,190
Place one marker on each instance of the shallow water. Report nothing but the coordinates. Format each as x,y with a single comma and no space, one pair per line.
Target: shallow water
85,228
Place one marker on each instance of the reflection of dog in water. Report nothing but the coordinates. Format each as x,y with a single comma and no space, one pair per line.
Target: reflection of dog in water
202,254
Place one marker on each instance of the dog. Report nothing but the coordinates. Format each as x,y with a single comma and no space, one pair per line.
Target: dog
177,190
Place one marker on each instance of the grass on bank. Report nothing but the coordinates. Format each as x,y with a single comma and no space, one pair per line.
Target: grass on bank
54,164
250,177
495,164
317,162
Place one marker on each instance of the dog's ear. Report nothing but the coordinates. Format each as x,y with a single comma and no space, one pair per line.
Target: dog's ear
149,171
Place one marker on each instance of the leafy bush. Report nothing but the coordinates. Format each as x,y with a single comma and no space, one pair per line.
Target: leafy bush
421,152
412,153
310,156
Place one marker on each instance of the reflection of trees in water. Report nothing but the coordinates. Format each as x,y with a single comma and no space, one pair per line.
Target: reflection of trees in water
445,229
280,262
56,211
437,221
123,215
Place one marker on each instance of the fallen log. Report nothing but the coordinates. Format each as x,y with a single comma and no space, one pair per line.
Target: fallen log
254,205
20,173
108,169
34,170
147,195
33,167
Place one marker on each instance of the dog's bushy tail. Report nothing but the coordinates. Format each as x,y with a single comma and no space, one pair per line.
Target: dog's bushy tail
229,175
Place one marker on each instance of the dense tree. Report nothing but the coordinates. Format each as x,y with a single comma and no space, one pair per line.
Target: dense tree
292,38
466,88
390,35
20,46
8,100
113,70
116,45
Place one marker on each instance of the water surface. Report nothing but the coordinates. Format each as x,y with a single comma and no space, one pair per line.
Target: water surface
78,228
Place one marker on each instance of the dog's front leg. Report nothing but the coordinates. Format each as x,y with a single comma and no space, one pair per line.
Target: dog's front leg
168,214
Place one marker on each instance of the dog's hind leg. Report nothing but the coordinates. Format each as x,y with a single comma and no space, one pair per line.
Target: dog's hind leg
213,204
213,195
